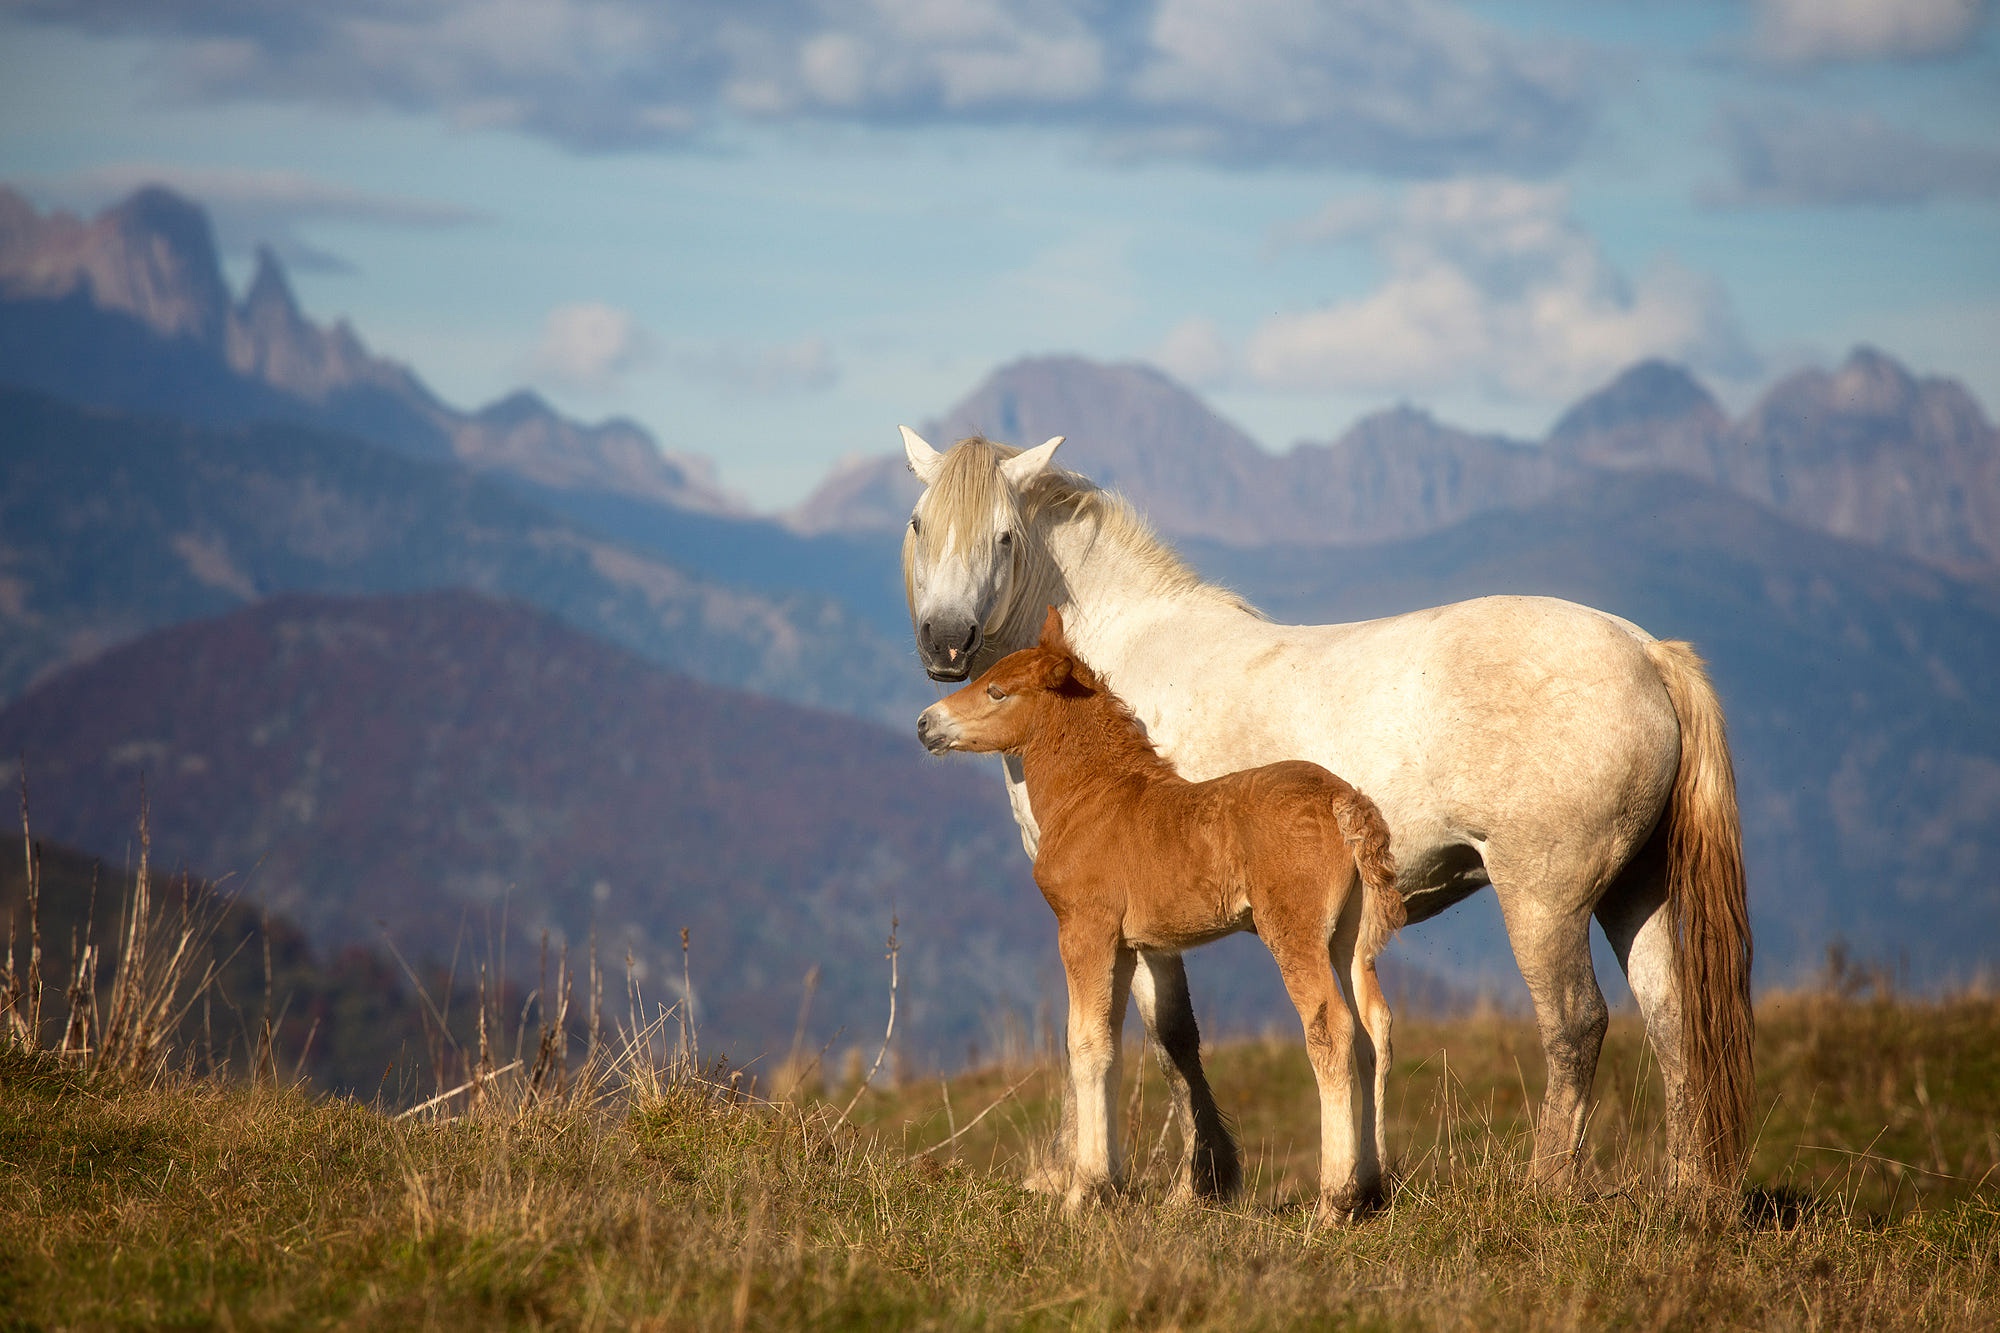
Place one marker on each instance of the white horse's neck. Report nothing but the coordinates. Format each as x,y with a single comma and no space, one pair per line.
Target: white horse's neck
1120,581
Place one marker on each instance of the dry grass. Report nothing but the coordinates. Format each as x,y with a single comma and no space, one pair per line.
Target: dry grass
678,1202
628,1188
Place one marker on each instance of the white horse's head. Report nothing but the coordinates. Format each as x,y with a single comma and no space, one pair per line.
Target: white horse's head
964,550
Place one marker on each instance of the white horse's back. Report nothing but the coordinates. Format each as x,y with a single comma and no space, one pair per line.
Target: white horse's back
1521,727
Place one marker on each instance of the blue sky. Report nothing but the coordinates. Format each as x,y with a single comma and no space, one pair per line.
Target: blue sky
770,230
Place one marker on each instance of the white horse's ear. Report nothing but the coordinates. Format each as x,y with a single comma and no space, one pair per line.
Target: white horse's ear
924,460
1023,468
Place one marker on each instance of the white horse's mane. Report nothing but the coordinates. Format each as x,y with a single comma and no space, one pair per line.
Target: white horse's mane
961,503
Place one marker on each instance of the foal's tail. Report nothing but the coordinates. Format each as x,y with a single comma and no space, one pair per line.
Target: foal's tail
1708,905
1367,835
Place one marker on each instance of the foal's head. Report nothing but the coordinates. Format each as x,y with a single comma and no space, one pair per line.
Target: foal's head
1002,709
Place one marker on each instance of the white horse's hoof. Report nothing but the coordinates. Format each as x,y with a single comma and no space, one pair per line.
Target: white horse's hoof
1086,1195
1349,1202
1049,1178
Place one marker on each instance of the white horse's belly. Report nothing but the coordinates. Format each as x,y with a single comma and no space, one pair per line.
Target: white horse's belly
1534,731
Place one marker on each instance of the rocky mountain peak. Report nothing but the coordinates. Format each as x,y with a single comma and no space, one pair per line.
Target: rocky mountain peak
152,257
270,294
1870,402
1870,383
1868,386
1648,393
159,255
270,339
517,409
1870,452
1653,416
1396,427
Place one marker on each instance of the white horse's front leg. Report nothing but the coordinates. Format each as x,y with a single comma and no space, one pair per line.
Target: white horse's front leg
1209,1167
1017,800
1099,972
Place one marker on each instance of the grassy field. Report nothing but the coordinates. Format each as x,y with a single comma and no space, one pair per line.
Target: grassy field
1874,1200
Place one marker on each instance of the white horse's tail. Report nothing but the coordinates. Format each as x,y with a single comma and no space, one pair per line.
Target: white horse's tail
1367,836
1708,902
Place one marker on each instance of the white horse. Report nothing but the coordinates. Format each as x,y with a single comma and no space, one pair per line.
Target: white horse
1560,754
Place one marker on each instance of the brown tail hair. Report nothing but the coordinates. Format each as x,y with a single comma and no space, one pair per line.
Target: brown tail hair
1367,835
1708,902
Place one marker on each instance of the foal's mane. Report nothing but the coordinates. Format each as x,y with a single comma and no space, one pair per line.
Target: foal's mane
1113,726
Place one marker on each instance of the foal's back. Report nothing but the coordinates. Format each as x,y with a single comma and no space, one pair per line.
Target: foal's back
1190,861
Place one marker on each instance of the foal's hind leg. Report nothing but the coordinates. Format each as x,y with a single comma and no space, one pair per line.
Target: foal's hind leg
1298,941
1208,1166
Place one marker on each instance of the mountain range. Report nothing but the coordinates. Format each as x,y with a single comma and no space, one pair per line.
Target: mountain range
1867,452
131,309
1834,551
112,524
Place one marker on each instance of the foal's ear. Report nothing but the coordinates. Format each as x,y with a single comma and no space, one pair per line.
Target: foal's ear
1054,637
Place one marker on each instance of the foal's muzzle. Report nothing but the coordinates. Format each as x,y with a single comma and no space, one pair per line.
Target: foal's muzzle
933,733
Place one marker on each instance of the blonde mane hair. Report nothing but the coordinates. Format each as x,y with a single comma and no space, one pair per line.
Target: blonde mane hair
961,500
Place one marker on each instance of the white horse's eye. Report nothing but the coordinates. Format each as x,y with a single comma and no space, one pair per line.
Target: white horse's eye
1006,539
915,526
995,693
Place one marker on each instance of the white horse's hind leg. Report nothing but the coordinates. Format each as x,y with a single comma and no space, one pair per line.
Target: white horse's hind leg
1553,950
1636,922
1208,1166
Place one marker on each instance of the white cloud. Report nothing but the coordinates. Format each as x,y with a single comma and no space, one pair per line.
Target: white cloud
1821,31
1785,158
1403,86
589,347
1195,353
1492,284
1411,87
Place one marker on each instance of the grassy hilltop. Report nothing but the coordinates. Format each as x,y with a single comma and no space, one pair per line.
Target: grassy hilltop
666,1200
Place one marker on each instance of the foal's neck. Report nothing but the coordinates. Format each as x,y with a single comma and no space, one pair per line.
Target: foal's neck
1087,741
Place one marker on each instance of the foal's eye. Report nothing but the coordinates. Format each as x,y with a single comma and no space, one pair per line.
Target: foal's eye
915,527
1006,539
995,693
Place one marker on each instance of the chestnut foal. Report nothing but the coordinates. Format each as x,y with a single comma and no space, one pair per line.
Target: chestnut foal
1134,857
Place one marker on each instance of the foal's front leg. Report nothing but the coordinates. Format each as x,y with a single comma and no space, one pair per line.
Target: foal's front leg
1099,971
